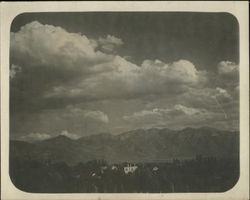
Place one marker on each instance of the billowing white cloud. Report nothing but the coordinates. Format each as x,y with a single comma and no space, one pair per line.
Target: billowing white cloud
109,43
187,110
70,135
227,68
35,137
97,115
162,114
222,93
228,75
53,47
95,74
205,97
124,79
145,114
76,71
182,71
179,116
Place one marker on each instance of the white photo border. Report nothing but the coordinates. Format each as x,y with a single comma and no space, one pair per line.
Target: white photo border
9,10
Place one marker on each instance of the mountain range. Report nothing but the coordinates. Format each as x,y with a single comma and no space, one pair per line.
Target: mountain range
151,145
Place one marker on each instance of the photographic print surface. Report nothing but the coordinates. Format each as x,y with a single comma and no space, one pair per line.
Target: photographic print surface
124,102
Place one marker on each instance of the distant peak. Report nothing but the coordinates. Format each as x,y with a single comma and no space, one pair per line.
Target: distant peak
102,134
188,129
207,128
62,136
59,137
200,128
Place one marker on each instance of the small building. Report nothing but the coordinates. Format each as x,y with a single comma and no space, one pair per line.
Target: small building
114,167
155,168
130,168
103,168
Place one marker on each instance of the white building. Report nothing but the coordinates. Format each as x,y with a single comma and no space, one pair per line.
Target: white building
114,167
155,168
130,168
103,168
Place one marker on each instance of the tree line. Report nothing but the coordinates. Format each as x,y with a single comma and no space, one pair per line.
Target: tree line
200,174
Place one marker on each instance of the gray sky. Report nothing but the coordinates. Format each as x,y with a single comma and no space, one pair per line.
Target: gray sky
83,73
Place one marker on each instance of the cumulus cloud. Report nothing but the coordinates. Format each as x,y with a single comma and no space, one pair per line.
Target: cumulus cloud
205,97
45,65
187,110
145,114
165,115
35,137
177,109
77,69
71,55
70,68
34,42
222,93
70,135
176,116
109,43
227,68
97,115
228,75
182,71
125,80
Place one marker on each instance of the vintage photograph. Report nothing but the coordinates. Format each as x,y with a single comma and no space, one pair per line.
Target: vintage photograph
124,102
